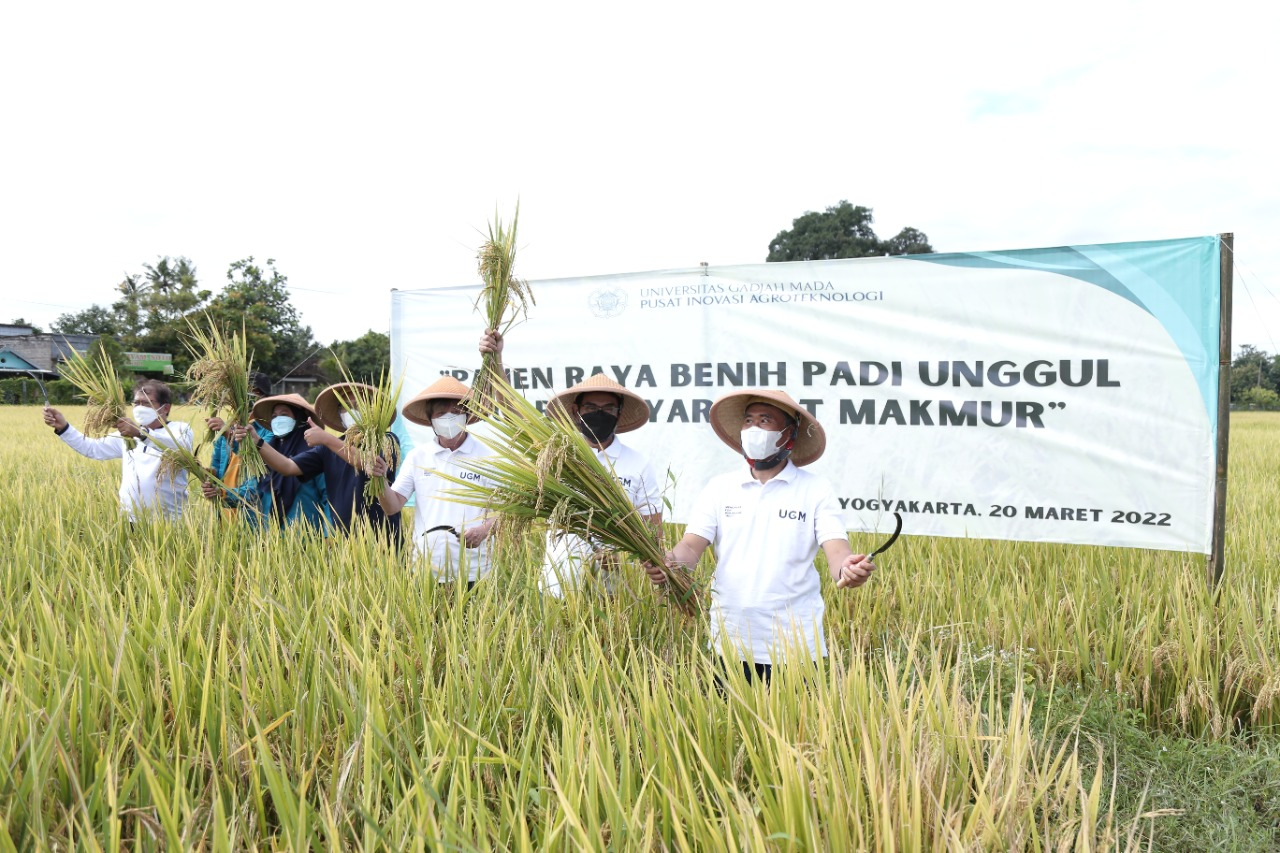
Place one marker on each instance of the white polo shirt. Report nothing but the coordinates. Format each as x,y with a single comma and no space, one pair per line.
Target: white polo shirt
567,558
418,477
143,488
766,592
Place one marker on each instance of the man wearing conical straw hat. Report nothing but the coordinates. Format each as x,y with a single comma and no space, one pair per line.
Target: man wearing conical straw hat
767,521
601,409
143,486
329,456
451,536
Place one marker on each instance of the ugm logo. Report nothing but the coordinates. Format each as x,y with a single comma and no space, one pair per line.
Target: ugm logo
607,302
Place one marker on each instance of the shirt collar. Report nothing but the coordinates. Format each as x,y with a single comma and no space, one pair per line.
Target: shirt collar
469,445
614,450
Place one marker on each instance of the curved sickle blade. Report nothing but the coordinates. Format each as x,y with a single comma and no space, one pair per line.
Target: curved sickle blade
888,543
445,527
43,392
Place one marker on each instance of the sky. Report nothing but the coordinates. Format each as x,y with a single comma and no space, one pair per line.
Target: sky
365,147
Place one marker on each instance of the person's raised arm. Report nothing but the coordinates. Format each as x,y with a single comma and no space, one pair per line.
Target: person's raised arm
111,447
274,459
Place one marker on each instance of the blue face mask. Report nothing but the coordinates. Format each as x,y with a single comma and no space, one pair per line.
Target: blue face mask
282,425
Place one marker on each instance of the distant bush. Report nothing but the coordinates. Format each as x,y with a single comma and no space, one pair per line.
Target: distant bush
23,390
1259,398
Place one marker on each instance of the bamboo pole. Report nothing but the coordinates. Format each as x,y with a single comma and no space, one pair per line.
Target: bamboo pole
1226,269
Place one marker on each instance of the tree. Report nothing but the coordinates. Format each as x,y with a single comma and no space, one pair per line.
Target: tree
842,231
21,322
111,348
256,299
1251,368
169,296
365,359
94,320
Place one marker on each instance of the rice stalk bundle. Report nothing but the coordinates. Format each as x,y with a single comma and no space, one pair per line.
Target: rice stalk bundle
374,411
219,379
503,300
98,383
178,458
544,470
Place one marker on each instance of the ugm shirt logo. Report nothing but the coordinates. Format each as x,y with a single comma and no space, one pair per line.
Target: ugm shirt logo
793,514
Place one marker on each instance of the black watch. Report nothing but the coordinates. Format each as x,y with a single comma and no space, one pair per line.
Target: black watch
259,442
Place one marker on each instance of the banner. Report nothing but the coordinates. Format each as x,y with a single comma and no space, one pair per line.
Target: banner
1055,395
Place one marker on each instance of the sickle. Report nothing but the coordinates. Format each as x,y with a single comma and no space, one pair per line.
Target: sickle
32,374
888,543
439,527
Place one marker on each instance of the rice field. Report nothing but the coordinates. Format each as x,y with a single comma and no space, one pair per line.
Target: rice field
194,686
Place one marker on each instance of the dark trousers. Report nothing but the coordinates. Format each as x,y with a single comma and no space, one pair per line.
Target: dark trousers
762,671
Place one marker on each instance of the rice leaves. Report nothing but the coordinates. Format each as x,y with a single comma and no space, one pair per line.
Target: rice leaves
219,379
544,470
504,298
102,389
374,410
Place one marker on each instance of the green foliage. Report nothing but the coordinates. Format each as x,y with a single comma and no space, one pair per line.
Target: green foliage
1254,371
257,297
94,320
21,322
365,359
25,391
842,231
107,346
1259,398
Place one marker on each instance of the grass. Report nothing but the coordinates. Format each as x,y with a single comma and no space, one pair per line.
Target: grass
191,685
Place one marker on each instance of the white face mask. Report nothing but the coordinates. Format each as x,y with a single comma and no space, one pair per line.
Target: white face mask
348,420
145,415
449,426
282,425
758,443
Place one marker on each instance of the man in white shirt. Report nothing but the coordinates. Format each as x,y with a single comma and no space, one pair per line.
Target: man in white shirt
600,408
450,536
143,488
767,523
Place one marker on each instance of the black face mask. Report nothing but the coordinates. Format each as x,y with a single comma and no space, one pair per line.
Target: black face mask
772,462
597,426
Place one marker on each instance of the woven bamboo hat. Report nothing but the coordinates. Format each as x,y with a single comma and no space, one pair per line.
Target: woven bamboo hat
633,414
418,409
262,408
329,406
727,414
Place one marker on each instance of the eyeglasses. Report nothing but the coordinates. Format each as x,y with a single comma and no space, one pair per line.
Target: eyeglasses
591,409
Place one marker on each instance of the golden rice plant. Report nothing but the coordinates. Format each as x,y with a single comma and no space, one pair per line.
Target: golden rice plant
369,438
504,298
219,378
544,470
98,383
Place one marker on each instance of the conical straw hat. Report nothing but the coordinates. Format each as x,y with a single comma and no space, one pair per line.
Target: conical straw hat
262,408
330,407
418,409
727,414
633,414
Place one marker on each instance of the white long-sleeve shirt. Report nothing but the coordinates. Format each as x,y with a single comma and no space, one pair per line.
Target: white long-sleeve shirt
143,488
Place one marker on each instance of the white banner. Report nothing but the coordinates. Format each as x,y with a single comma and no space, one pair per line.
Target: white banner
1059,395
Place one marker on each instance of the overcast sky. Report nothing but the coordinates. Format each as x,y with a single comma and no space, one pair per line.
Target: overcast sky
365,146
